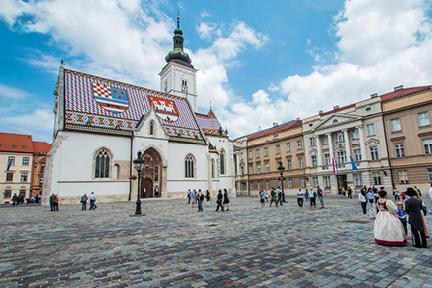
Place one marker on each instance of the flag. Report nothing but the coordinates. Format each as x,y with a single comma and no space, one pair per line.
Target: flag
353,165
10,160
334,166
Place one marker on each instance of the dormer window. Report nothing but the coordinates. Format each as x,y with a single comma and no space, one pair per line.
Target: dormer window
184,86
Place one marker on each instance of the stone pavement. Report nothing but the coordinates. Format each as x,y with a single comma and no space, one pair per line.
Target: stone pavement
174,246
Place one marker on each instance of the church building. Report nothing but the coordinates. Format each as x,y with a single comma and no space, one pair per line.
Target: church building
102,124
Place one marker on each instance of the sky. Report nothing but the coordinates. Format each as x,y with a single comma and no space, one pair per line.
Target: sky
258,62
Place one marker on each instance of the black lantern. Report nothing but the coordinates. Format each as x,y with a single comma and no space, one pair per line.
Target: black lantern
281,169
138,165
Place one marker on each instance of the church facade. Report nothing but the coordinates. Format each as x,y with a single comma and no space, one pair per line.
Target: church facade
102,124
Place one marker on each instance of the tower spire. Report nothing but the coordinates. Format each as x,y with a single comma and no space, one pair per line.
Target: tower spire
177,52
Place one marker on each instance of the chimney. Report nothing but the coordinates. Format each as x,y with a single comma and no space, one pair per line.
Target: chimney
398,88
335,107
275,124
320,112
298,119
374,95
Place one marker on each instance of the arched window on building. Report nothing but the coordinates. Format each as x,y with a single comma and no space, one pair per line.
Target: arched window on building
151,132
189,166
213,174
102,163
222,162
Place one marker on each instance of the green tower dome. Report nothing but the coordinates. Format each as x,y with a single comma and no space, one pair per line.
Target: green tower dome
177,53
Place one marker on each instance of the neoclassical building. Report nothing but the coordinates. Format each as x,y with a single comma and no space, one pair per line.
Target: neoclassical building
385,140
101,124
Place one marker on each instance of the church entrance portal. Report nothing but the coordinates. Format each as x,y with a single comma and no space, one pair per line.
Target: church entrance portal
151,175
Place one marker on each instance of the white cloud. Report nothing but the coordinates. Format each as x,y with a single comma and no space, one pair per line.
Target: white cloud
380,45
9,92
206,30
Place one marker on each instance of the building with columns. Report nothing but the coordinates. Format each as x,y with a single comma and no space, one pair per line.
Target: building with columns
101,124
347,135
385,140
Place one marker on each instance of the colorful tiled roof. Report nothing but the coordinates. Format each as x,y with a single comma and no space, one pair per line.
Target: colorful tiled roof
276,129
82,109
16,143
210,124
403,92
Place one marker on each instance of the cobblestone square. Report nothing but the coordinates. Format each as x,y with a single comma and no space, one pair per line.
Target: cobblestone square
174,246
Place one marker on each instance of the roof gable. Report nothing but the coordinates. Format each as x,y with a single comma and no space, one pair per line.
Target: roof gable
336,119
16,143
99,102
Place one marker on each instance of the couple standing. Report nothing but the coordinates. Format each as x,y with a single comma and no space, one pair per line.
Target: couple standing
84,199
388,229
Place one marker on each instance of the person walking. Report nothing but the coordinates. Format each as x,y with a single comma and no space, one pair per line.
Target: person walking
363,201
371,199
300,197
207,197
396,194
279,196
84,202
226,200
312,198
430,198
56,203
321,197
350,192
92,201
15,200
194,198
200,201
306,195
219,201
52,202
261,196
189,195
413,206
273,197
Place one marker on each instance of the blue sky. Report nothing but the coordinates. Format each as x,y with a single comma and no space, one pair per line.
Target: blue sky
259,62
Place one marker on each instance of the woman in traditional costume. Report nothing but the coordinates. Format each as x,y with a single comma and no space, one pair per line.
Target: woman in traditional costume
388,230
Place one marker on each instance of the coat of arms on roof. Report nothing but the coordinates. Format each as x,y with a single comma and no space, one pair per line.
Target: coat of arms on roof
110,98
164,108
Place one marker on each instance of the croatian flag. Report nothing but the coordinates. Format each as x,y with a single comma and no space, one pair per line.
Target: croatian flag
334,166
9,164
110,98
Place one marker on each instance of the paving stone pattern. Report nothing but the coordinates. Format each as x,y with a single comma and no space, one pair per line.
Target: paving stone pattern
174,246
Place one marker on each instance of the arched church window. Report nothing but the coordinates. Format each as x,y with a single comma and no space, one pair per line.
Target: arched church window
213,168
189,166
151,132
222,162
102,163
184,87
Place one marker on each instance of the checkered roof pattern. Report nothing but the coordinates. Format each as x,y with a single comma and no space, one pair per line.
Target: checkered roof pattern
79,98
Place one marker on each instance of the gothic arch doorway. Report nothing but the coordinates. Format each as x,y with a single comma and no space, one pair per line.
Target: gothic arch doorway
151,176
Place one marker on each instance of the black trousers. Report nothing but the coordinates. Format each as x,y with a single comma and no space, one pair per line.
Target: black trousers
419,235
273,200
279,201
313,201
219,204
83,206
363,205
300,202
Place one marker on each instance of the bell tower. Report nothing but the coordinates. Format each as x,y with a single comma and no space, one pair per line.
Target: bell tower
178,76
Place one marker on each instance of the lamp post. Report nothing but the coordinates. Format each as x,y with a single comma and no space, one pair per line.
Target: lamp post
138,165
280,168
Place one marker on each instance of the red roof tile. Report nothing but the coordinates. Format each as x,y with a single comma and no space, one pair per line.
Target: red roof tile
16,143
41,147
337,109
403,92
276,129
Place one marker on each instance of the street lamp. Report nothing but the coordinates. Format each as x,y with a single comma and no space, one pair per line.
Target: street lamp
280,168
138,165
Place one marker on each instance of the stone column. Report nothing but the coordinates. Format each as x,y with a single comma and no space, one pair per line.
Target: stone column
347,145
330,145
362,143
319,151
